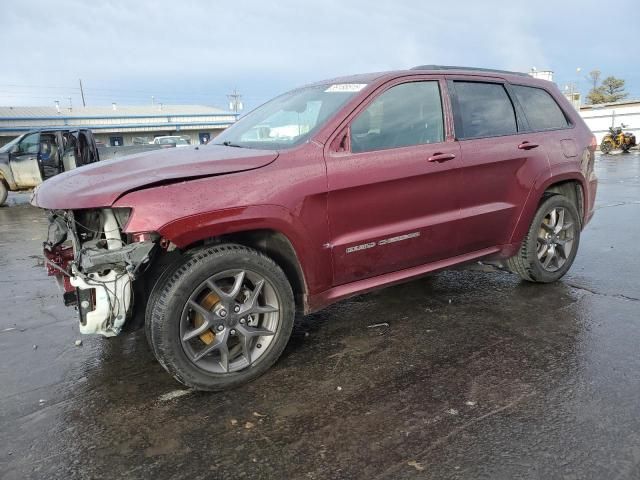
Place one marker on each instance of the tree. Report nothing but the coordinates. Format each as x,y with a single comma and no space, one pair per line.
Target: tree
614,89
611,90
596,96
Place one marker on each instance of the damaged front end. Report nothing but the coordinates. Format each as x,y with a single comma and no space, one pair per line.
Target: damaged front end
96,264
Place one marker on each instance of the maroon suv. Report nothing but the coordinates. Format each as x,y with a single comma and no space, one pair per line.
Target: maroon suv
327,191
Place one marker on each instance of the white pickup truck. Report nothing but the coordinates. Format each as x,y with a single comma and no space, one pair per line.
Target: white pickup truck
31,158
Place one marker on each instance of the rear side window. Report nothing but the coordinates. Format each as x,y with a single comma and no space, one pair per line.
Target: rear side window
541,110
485,110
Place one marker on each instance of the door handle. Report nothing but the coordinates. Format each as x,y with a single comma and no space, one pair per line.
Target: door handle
527,145
441,157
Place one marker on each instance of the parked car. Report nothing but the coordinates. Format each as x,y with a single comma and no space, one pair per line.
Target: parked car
352,184
31,158
171,141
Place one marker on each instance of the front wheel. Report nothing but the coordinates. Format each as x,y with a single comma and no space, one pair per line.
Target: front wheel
221,318
4,191
548,250
606,147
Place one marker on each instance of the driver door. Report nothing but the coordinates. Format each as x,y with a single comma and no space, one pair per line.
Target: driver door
394,185
24,161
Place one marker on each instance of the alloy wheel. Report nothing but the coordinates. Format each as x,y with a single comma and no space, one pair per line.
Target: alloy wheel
555,239
229,321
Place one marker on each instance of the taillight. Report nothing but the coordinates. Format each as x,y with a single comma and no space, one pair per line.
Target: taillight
593,144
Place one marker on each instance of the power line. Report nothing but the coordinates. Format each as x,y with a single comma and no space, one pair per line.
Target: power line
146,92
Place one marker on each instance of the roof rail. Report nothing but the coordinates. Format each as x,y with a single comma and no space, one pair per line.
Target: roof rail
475,69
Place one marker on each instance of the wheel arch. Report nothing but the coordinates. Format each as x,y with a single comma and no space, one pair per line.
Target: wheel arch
6,177
275,245
265,227
570,185
572,189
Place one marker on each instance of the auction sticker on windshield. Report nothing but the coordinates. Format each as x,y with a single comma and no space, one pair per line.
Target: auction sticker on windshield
346,87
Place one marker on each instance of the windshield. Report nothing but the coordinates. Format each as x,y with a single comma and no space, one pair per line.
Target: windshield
9,145
289,119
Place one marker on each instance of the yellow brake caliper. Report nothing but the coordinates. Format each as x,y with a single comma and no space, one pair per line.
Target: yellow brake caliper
207,302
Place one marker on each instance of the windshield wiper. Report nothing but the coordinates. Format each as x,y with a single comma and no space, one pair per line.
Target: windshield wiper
228,143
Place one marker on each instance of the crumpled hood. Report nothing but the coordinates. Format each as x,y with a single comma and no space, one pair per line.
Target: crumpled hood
100,184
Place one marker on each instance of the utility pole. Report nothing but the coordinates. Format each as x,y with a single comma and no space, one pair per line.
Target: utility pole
82,93
235,101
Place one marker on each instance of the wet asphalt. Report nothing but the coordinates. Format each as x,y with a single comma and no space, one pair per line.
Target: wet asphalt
477,376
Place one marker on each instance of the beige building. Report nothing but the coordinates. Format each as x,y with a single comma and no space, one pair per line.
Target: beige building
117,125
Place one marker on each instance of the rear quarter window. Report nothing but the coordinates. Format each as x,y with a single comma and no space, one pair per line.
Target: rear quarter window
540,108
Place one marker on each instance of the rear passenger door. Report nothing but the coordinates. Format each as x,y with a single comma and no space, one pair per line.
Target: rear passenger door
501,159
543,114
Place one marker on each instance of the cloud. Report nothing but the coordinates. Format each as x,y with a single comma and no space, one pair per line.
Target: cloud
197,50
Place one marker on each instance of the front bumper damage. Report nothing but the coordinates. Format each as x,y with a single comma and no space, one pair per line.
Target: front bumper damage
96,265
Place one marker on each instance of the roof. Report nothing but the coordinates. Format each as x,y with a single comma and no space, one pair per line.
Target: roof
466,69
121,111
434,69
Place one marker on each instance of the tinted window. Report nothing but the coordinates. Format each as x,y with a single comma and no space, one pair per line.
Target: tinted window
541,110
485,110
407,114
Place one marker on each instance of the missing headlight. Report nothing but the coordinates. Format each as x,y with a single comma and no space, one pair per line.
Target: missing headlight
122,216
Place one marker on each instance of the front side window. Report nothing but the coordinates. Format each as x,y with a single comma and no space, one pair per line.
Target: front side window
484,110
541,110
405,115
29,144
289,119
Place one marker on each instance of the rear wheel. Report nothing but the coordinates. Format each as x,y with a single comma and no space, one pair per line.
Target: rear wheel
221,318
548,250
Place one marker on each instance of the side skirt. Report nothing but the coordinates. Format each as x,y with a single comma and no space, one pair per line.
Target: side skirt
335,294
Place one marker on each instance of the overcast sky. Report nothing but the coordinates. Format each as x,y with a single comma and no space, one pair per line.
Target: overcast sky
192,51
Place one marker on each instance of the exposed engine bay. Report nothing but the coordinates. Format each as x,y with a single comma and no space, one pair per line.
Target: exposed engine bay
96,264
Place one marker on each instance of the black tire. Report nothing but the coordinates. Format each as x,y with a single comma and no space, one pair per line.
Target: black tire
606,147
177,284
4,191
526,262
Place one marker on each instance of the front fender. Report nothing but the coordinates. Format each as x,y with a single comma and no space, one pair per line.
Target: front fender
195,228
191,229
